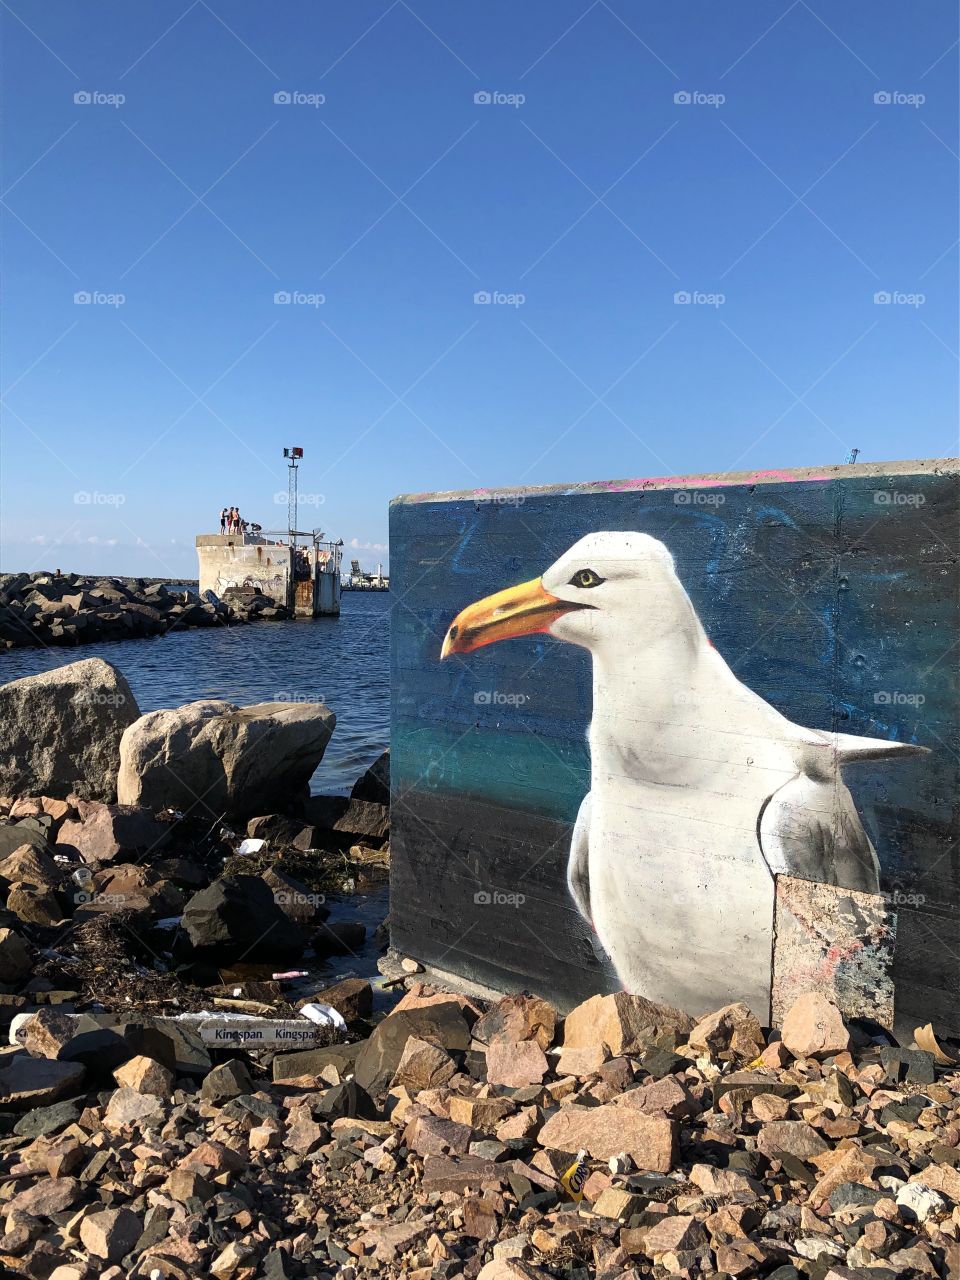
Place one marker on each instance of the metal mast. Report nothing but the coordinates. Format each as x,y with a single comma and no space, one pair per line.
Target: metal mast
293,454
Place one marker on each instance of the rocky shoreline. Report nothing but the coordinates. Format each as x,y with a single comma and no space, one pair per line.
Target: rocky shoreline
182,1094
71,609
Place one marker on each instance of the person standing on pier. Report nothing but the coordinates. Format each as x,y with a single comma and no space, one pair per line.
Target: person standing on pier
223,519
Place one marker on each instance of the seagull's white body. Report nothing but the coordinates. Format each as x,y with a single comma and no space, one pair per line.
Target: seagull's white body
701,792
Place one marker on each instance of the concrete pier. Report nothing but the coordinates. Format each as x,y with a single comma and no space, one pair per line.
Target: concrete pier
304,578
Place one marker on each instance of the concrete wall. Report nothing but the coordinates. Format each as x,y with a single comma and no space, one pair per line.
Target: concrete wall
228,561
694,737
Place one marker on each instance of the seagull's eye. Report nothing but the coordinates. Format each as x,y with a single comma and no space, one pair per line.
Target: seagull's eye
586,578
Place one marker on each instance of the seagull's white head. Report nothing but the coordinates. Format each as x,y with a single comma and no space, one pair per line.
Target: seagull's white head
608,588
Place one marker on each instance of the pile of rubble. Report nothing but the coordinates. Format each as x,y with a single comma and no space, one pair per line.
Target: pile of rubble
68,609
441,1144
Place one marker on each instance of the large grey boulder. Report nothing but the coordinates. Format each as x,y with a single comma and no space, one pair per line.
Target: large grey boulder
62,730
214,757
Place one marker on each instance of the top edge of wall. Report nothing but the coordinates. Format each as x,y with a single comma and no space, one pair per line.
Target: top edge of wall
921,466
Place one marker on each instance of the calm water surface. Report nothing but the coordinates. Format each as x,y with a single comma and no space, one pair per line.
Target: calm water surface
341,661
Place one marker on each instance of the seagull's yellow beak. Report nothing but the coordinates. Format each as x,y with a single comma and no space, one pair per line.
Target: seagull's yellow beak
518,611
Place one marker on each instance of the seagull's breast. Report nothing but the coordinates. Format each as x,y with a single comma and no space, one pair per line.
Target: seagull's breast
681,897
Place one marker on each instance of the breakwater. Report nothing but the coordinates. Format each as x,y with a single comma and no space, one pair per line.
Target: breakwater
73,609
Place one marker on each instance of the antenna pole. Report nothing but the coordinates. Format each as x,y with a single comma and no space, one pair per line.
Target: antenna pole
293,454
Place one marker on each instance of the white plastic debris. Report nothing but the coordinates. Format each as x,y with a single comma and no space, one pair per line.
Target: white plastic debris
251,846
922,1201
16,1022
323,1014
168,922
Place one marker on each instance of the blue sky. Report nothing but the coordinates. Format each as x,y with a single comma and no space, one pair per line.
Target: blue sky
778,165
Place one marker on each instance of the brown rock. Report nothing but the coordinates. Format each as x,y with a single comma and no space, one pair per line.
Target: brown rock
215,1158
34,905
680,1231
110,1234
617,1203
813,1027
46,1197
769,1106
185,1184
795,1137
145,1075
481,1217
432,1135
515,1063
15,964
31,865
47,1032
479,1113
731,1030
849,1165
423,1065
520,1127
622,1022
608,1130
108,831
724,1182
352,998
667,1096
35,1082
518,1017
511,1269
582,1061
127,1107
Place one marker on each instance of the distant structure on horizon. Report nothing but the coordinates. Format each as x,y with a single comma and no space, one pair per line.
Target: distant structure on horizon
358,580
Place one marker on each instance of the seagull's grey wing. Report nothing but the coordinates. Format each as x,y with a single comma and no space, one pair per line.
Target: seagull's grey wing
578,873
810,828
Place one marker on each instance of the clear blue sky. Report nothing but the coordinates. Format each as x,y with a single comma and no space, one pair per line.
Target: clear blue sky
795,195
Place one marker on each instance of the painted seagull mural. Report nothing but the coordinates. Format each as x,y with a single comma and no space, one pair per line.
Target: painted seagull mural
700,792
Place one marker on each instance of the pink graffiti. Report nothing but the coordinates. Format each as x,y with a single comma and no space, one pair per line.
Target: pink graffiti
704,482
